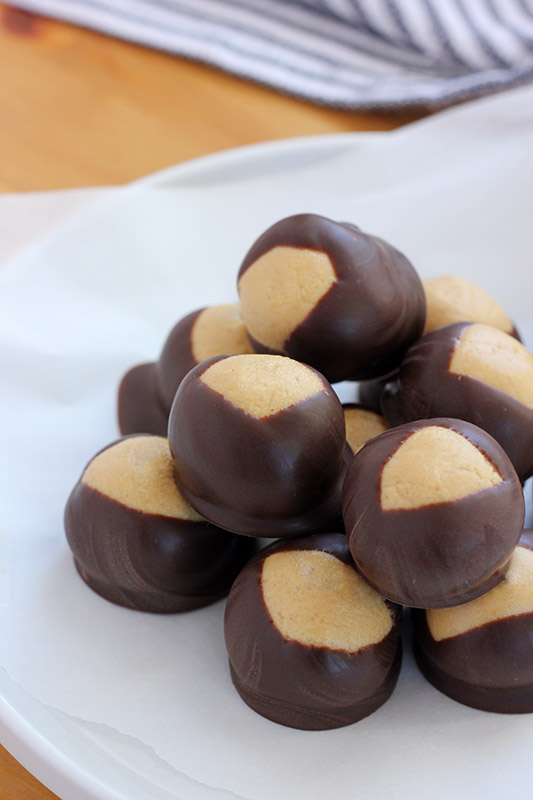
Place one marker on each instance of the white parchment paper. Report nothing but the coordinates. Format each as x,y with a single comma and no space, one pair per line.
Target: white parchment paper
81,305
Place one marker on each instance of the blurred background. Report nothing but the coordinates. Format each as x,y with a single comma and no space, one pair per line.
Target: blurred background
82,108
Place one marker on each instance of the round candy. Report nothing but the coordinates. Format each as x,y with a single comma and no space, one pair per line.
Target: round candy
433,510
450,298
310,644
146,391
473,372
258,444
329,295
212,331
361,425
137,542
481,653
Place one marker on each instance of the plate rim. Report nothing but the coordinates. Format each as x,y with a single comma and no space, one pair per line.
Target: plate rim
43,757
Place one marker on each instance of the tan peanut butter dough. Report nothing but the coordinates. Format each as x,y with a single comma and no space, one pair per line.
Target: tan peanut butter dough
280,289
362,425
497,359
262,385
511,597
138,473
218,330
315,599
450,298
434,465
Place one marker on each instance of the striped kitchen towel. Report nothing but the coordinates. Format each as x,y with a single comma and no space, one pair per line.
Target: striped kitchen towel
343,53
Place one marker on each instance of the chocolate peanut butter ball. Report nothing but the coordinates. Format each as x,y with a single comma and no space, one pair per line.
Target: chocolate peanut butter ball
361,425
137,542
481,653
212,331
433,510
258,443
473,372
310,644
327,294
146,391
451,298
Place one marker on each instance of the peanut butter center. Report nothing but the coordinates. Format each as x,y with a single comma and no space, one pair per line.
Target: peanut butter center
450,298
315,599
262,385
138,473
511,597
434,465
219,330
280,289
362,425
497,359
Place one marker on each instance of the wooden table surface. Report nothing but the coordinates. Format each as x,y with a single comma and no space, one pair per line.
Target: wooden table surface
82,109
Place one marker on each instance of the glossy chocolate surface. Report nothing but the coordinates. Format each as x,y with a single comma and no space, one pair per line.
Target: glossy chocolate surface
437,555
489,667
146,391
176,359
369,394
302,686
150,562
276,476
426,388
139,404
361,328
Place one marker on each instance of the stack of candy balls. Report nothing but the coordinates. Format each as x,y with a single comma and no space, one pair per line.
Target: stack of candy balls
411,496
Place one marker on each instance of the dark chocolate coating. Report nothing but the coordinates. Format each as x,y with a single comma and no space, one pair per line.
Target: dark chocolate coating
437,555
150,562
146,391
176,358
361,328
276,476
369,394
489,667
298,685
139,405
426,388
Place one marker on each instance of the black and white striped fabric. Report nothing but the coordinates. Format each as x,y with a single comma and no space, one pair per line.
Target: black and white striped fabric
344,53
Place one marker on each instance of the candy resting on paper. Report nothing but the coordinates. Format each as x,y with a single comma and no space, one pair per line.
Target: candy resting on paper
481,653
310,644
137,542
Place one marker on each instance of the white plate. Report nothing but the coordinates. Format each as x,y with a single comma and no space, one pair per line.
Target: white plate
454,193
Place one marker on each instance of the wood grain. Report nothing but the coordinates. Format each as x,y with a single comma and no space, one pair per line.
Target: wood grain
82,109
17,784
